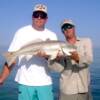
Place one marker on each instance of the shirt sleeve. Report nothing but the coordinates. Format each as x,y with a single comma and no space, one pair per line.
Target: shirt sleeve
15,43
53,36
86,55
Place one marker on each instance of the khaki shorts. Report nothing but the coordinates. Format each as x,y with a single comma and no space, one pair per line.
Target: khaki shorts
79,96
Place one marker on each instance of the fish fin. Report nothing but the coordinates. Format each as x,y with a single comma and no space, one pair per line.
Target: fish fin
48,39
66,52
10,57
37,40
52,57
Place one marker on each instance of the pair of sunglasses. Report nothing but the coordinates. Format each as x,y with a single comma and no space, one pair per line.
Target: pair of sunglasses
39,14
67,26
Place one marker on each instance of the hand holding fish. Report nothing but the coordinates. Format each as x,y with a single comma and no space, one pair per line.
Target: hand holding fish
42,54
75,56
59,55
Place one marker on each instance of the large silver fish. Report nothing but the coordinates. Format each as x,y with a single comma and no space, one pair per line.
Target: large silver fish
51,48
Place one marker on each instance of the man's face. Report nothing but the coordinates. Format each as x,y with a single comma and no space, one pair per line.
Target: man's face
68,30
39,18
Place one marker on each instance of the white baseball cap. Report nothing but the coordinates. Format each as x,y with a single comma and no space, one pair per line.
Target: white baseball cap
40,7
67,21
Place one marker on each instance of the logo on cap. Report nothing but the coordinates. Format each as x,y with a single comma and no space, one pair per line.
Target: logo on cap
40,7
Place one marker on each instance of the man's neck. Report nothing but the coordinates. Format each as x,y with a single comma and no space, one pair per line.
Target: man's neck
72,40
38,28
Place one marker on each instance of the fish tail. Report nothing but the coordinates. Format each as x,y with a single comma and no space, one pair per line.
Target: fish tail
10,57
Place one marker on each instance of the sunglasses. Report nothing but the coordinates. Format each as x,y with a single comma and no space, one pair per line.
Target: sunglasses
67,26
39,14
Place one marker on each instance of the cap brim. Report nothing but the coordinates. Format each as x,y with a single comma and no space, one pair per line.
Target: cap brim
67,24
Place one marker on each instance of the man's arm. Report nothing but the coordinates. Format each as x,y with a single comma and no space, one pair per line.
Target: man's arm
87,57
5,72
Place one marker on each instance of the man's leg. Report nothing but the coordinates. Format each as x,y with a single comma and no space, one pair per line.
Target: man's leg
45,92
27,93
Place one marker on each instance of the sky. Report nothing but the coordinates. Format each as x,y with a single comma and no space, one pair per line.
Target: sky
85,14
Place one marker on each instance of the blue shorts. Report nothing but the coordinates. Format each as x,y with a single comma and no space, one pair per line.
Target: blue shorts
35,92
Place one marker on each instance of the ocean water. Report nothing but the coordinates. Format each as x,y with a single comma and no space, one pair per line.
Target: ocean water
9,91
